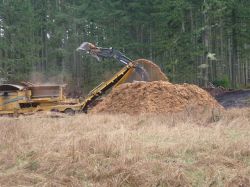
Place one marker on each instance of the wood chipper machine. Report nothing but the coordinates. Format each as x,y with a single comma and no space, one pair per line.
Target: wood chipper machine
19,99
28,98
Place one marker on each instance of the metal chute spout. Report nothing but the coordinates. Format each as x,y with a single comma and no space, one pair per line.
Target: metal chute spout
101,53
86,47
89,48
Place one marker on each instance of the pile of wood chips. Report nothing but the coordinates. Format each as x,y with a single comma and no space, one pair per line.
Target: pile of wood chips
156,97
152,72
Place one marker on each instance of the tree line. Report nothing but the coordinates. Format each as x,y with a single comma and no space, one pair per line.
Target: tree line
194,41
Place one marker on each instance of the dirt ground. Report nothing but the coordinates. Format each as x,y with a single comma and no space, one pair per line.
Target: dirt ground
231,99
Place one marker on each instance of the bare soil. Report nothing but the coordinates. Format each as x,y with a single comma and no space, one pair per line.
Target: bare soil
232,99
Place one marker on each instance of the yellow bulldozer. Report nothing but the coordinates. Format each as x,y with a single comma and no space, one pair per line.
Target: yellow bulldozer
29,98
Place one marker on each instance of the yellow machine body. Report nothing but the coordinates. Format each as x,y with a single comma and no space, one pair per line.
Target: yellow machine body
16,99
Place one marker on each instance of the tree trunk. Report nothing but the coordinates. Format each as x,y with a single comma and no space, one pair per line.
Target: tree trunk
234,48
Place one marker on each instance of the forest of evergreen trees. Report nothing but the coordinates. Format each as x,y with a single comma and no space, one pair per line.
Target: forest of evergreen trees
194,41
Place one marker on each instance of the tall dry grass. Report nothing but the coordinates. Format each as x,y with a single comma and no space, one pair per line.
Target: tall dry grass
106,150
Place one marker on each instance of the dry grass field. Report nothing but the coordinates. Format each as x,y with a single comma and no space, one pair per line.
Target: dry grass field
122,150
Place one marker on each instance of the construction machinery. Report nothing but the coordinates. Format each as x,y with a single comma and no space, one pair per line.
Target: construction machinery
30,98
119,78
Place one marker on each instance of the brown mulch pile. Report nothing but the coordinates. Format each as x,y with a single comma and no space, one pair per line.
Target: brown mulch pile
151,70
155,97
